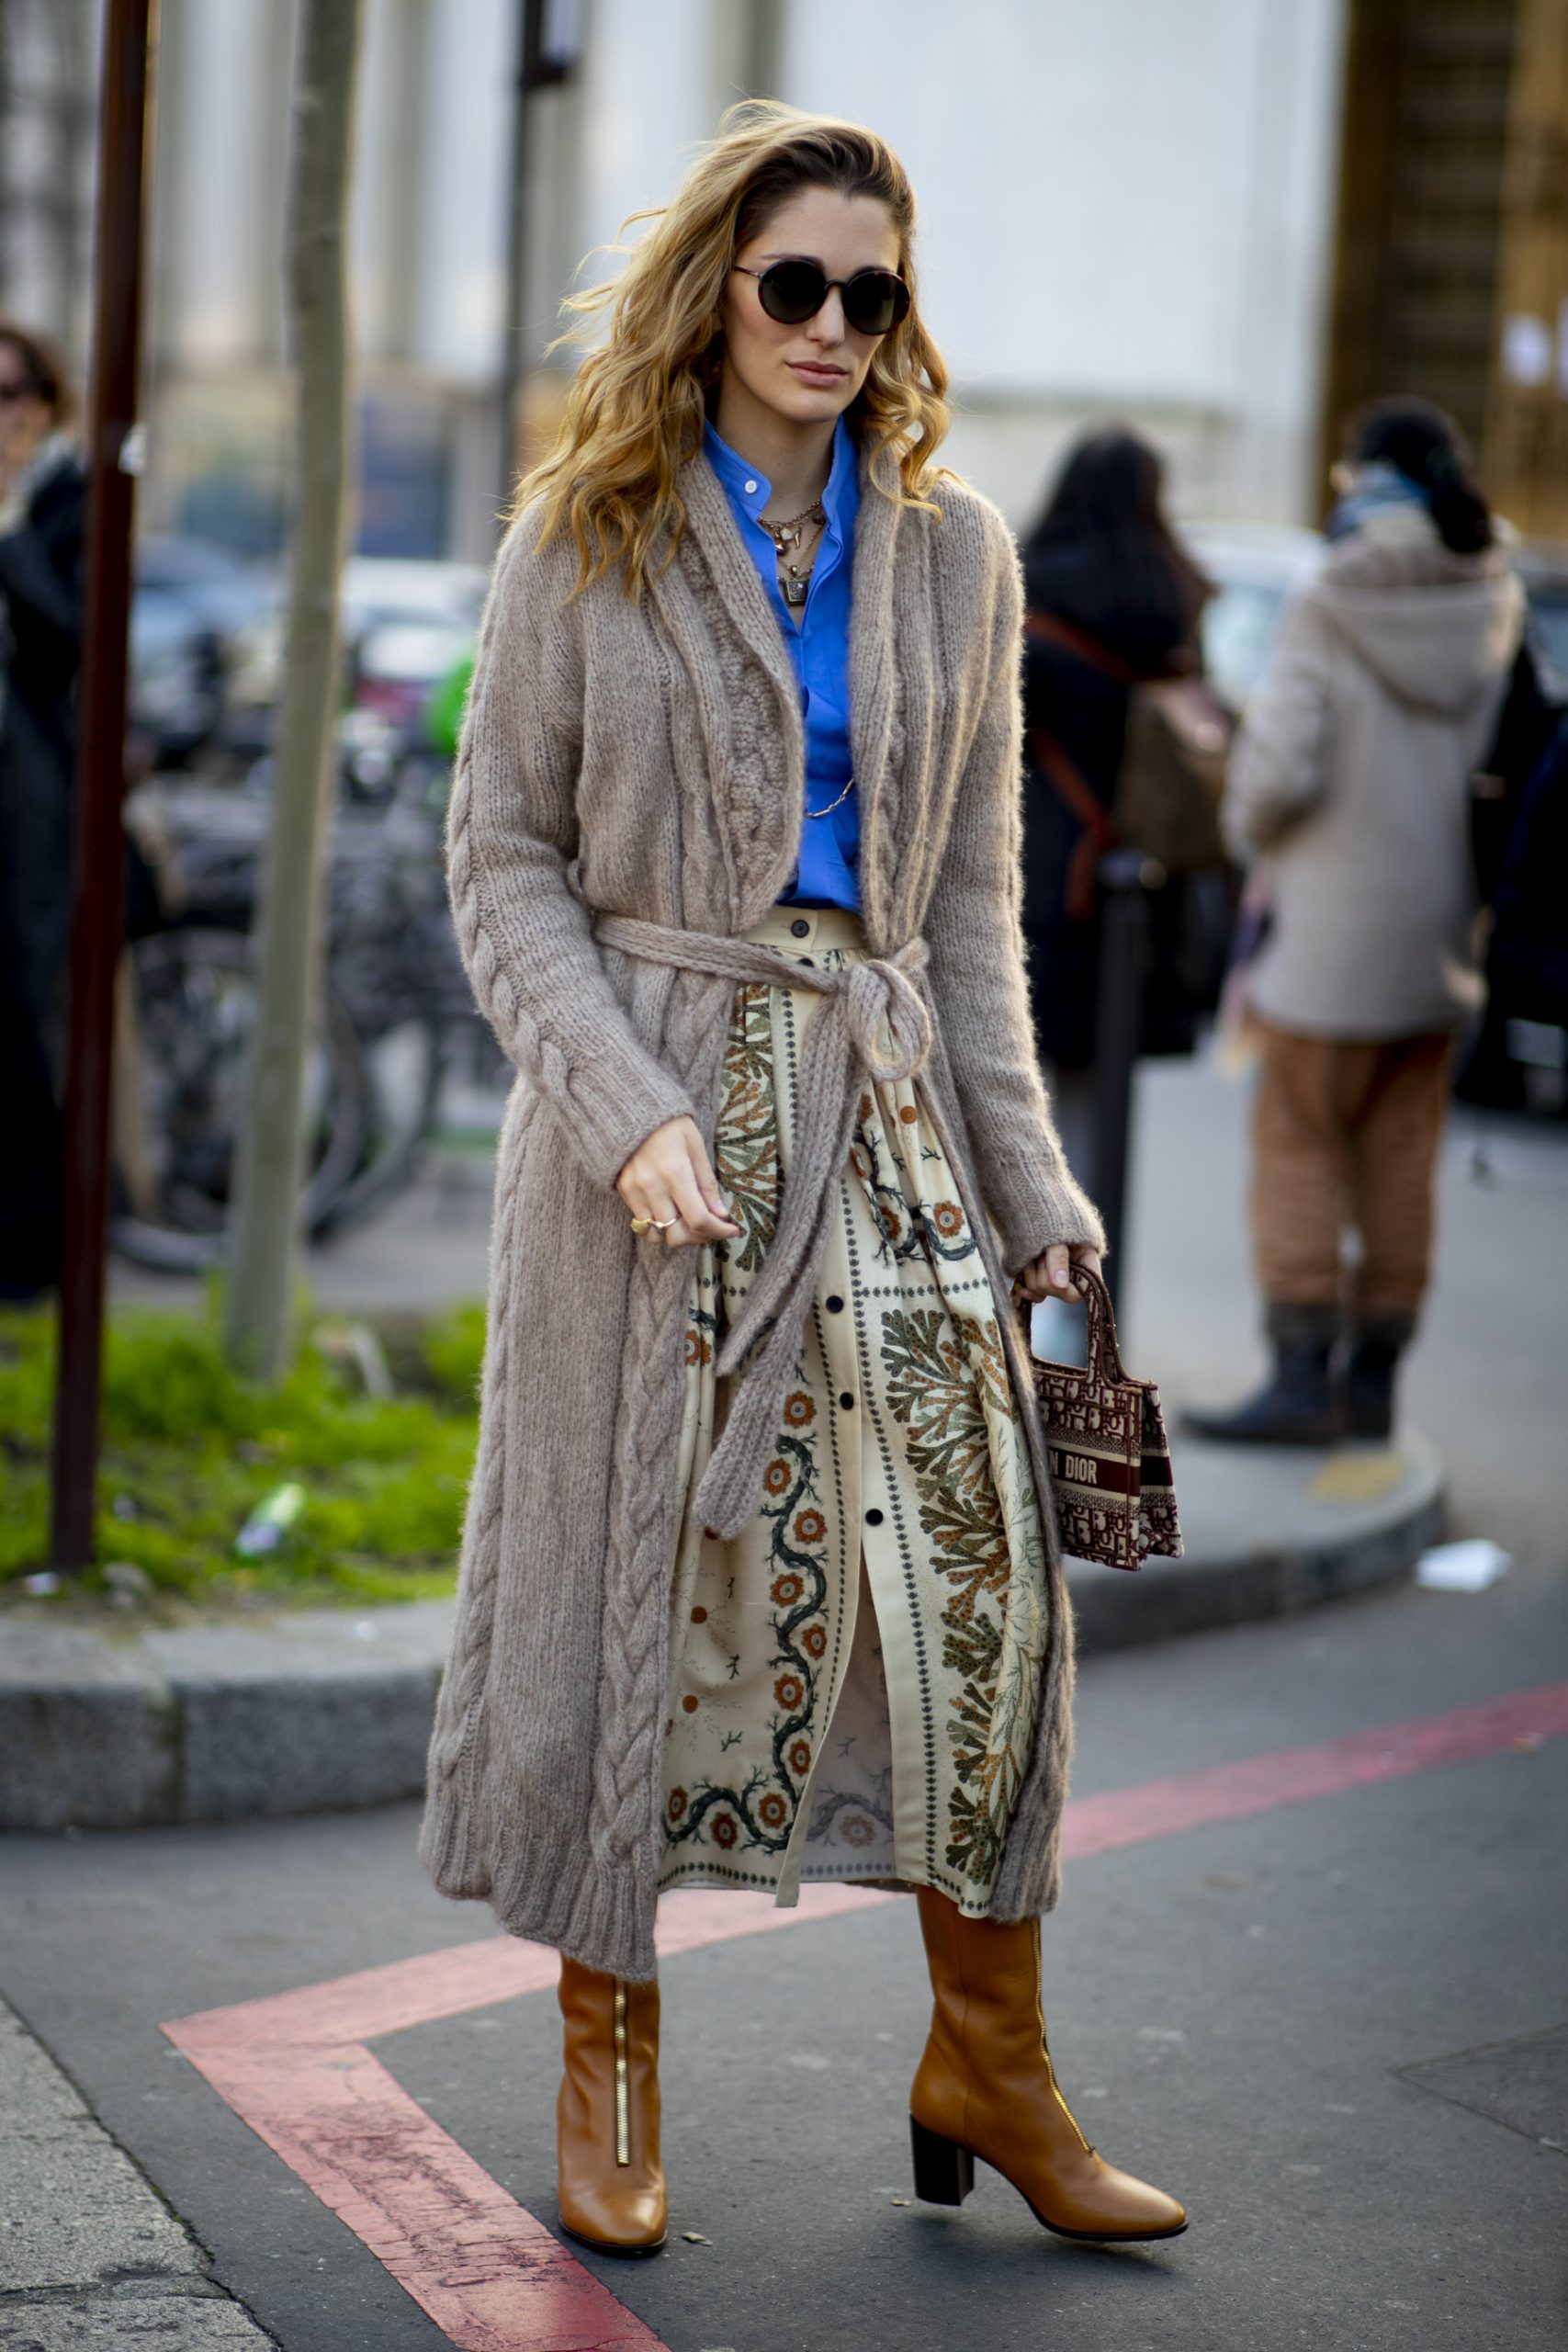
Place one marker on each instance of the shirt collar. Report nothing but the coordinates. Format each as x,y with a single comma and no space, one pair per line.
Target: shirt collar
751,491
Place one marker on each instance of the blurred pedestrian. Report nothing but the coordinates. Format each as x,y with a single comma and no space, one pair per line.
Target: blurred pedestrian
42,518
733,860
1349,785
1113,601
1527,946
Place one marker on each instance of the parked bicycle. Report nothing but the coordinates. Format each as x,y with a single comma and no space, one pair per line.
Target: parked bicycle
394,1027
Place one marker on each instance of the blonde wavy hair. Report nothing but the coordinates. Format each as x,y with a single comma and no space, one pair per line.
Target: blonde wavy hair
634,412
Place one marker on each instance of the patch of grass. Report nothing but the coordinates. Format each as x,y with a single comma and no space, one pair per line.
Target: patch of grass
189,1448
452,1351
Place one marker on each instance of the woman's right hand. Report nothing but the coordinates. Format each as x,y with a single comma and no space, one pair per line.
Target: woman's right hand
669,1176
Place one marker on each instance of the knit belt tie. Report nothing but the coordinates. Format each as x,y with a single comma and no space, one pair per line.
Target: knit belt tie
843,1048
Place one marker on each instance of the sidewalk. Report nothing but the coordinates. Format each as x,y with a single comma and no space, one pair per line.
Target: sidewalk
1485,1365
89,2252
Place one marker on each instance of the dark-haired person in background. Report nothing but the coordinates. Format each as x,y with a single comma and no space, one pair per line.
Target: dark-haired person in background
1349,783
42,518
1113,600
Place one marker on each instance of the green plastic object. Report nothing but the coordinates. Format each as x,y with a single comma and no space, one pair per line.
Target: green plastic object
448,701
270,1523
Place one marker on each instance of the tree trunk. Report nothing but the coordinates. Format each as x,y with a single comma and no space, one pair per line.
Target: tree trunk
271,1153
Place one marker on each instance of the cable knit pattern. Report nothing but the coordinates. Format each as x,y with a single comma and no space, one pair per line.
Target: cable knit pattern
627,773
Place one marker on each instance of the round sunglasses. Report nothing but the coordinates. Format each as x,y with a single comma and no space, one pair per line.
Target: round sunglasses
876,300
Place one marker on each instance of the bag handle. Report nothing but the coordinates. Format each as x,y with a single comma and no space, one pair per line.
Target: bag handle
1050,629
1103,1352
1098,833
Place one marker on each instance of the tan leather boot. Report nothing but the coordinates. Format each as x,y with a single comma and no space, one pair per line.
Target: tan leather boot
611,2180
985,2088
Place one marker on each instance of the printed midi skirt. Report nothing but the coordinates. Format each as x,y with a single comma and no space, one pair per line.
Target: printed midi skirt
855,1677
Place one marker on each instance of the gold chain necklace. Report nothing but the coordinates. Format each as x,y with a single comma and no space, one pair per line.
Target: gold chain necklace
834,804
784,535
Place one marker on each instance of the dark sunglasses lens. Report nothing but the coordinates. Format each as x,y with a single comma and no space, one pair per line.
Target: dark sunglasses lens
875,301
792,291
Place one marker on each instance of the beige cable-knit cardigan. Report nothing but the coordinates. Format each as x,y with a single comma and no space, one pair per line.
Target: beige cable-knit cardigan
646,760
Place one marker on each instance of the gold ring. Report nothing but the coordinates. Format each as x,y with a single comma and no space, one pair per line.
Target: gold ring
641,1224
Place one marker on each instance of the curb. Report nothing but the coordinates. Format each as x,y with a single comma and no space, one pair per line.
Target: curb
305,1713
328,1709
1337,1523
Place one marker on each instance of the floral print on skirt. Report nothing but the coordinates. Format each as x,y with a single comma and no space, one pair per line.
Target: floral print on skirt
854,1679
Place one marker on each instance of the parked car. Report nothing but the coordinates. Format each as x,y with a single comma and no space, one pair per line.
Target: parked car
191,606
403,624
1544,569
1255,565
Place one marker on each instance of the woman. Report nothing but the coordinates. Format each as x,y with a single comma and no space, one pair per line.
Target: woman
733,847
42,514
1113,600
1350,785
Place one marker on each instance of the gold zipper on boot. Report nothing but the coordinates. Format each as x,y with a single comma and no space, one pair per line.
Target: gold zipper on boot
622,2119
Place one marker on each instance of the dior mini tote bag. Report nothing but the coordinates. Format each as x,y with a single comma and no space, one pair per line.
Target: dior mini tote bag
1106,1441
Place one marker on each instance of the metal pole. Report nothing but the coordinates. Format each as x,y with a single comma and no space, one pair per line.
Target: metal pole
98,890
547,37
1126,876
765,41
516,255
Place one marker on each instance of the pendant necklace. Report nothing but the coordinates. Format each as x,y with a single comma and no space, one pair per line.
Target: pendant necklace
794,584
785,536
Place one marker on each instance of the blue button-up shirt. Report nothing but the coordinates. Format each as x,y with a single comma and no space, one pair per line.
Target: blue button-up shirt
817,636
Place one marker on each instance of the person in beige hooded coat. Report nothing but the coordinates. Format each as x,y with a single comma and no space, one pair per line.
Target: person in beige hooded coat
1349,787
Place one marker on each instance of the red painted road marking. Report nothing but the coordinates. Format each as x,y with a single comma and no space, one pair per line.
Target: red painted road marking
1259,1783
294,2066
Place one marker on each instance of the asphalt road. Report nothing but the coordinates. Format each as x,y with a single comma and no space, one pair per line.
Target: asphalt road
1241,2010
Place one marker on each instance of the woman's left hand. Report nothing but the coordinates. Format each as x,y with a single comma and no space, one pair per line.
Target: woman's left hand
1047,1276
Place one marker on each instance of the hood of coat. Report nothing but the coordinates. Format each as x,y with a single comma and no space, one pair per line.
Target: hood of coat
1436,629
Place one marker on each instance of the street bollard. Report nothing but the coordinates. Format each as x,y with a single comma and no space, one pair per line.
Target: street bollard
1126,877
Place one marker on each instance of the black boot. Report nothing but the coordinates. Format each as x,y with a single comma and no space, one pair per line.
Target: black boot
1297,1406
1377,1342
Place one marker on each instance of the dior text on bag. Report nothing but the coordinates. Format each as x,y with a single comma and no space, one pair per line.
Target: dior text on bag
1108,1455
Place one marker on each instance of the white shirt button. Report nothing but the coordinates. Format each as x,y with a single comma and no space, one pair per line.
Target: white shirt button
750,486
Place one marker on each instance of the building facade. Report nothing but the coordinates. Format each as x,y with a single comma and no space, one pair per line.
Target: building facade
1206,221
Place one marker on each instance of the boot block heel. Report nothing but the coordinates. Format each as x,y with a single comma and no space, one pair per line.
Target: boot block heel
944,2173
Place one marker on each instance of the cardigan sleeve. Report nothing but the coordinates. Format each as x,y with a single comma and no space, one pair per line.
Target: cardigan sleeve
1279,763
527,942
978,964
